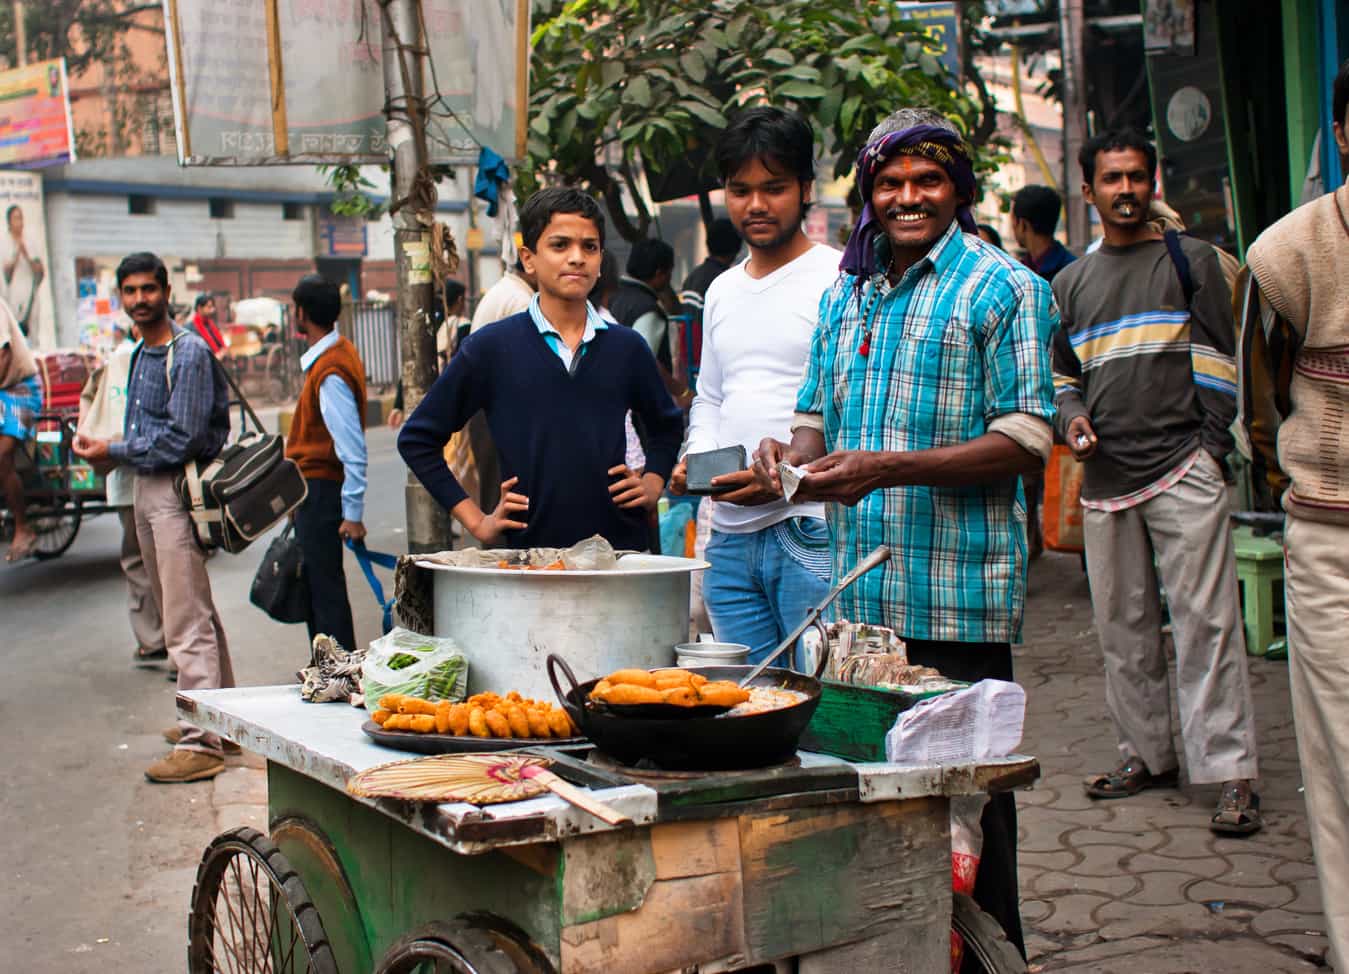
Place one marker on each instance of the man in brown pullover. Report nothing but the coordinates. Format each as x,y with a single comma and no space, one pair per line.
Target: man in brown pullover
1295,379
327,441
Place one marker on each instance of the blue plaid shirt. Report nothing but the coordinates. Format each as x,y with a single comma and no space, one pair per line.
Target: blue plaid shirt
962,339
165,430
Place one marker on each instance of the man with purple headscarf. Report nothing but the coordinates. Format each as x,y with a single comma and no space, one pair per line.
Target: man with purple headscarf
926,397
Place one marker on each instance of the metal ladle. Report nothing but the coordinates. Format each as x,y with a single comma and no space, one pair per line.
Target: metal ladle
877,557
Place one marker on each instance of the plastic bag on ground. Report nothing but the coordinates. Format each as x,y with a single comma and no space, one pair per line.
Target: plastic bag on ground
406,662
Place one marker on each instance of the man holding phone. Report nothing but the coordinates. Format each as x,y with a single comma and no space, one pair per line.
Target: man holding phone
770,559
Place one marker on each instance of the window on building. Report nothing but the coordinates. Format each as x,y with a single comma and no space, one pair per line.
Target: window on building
221,209
138,205
292,211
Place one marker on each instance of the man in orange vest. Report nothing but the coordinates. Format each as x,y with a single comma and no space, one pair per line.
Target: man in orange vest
327,441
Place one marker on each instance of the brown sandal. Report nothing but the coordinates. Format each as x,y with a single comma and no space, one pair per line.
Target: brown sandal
1238,811
1129,779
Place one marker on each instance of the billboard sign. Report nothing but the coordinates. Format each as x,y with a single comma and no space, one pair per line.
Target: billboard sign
942,24
25,279
265,82
35,127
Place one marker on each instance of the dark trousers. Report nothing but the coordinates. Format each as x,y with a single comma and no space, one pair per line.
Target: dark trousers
995,884
316,524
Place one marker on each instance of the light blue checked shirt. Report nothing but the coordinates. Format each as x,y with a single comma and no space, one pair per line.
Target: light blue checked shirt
962,339
594,323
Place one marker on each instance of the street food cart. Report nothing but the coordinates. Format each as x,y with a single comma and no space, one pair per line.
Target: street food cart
840,866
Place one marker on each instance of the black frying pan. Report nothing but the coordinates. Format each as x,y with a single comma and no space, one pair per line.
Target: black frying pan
698,743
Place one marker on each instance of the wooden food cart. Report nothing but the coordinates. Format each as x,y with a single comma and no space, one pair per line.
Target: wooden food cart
843,867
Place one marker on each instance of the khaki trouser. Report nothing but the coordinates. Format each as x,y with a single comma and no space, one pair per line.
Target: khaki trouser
1185,532
1316,592
142,610
182,591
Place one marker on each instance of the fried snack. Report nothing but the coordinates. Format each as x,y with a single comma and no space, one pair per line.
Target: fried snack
515,715
443,717
628,693
639,678
459,719
390,702
559,723
397,722
722,694
415,706
672,682
600,689
422,724
477,722
681,696
538,722
497,723
514,697
697,679
380,716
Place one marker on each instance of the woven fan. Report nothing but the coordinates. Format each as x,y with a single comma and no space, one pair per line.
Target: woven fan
479,779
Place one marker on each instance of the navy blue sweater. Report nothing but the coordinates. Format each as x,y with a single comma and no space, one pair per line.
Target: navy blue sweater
558,433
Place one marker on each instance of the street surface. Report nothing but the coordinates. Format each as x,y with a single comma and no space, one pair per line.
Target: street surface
99,863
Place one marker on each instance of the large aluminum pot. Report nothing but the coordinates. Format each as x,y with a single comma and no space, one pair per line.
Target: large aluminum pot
507,621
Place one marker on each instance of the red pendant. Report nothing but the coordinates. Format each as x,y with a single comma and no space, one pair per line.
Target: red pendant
865,348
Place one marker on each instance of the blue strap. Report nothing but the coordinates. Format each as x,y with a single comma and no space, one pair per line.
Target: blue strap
365,557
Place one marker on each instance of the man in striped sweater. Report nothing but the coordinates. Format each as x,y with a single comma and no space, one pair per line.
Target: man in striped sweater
1145,385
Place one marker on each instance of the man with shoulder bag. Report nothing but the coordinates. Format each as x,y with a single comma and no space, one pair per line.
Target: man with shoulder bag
174,415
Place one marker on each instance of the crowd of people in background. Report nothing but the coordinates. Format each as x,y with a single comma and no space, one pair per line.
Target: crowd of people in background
910,388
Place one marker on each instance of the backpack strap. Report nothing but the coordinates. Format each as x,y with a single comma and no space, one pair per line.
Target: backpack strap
364,557
1182,264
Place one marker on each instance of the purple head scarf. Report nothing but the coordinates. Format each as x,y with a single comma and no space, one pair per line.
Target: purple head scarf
942,146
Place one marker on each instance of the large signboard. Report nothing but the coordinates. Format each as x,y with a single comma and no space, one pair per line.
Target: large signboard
260,82
35,127
25,283
942,24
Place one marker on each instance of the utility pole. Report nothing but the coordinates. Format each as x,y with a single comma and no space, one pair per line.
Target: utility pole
414,196
20,34
1071,25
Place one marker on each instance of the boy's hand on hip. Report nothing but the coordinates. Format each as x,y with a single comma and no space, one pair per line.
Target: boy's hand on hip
501,520
632,490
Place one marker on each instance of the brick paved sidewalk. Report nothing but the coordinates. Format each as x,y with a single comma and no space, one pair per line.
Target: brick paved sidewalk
1141,885
1135,886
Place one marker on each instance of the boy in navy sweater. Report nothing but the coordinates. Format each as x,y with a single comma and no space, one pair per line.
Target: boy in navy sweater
555,383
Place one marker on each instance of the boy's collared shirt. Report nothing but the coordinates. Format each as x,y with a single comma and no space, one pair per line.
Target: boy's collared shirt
594,323
341,414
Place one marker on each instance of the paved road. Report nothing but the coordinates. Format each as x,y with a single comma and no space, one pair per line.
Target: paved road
97,862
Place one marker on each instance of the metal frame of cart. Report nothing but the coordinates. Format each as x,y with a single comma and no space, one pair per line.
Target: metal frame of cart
841,867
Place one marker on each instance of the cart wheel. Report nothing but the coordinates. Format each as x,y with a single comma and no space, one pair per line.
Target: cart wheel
987,949
56,528
463,946
251,912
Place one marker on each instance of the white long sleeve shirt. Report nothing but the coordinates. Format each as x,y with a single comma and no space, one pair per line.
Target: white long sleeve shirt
756,337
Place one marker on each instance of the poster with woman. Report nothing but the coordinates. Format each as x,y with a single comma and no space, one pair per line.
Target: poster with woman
24,279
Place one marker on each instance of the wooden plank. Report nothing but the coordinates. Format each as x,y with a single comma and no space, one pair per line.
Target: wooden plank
825,877
184,134
695,848
852,721
522,48
280,130
606,874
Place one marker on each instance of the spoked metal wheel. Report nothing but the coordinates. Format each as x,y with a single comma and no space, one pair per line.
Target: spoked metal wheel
472,944
251,913
56,526
987,949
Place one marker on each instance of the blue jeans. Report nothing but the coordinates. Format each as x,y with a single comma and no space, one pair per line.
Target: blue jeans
759,589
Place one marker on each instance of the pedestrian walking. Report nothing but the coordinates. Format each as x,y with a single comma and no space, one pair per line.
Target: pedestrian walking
174,415
1146,387
1295,360
1035,217
20,403
723,244
554,383
203,322
770,559
926,396
327,442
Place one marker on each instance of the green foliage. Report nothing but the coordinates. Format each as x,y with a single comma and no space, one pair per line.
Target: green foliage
350,187
622,84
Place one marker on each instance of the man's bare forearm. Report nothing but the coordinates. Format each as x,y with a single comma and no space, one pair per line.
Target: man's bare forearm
807,445
986,459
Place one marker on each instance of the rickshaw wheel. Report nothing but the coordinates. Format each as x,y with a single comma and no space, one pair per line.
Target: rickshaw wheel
56,529
987,949
252,913
463,946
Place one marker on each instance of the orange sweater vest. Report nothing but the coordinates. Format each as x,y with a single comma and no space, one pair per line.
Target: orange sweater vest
310,444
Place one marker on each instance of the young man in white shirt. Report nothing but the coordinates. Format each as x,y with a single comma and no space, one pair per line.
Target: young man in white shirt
770,559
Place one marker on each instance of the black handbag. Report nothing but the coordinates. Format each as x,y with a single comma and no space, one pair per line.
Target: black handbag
281,587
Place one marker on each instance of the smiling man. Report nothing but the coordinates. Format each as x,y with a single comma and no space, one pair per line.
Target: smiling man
1146,387
926,396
